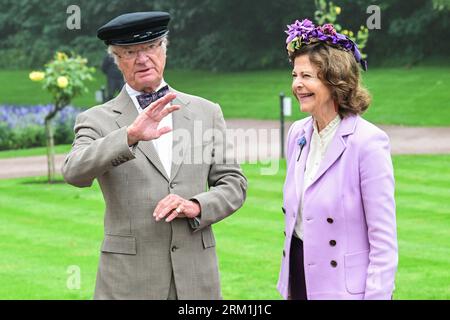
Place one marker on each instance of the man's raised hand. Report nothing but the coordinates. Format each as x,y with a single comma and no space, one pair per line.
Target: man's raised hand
145,127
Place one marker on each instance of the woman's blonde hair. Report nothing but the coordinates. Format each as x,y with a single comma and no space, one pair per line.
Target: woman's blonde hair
338,70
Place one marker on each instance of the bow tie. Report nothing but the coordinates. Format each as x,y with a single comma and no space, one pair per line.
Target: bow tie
147,98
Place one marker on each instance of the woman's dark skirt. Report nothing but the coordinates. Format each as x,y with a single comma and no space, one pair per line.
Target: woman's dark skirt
297,271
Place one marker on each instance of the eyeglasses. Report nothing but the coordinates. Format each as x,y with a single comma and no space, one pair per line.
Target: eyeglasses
147,49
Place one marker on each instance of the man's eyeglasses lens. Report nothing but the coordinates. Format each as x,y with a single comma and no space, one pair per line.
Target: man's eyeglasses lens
150,48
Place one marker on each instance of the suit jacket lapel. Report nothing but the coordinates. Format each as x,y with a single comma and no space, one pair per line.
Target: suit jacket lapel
300,165
337,146
128,113
182,125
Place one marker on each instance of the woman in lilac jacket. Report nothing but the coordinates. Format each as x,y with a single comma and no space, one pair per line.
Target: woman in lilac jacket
341,240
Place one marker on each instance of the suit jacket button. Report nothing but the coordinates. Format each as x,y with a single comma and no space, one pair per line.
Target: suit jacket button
174,248
172,185
333,263
284,253
283,209
284,232
332,243
330,221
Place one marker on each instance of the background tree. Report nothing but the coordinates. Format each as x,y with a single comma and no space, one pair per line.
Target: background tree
222,35
64,78
327,12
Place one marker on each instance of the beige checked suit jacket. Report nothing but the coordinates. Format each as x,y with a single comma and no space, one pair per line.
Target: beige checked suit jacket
138,255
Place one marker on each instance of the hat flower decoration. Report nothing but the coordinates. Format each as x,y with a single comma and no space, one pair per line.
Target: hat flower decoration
305,32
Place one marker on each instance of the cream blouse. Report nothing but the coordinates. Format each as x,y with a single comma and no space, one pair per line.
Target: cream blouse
319,145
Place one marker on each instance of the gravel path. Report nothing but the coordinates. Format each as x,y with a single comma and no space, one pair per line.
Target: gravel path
404,140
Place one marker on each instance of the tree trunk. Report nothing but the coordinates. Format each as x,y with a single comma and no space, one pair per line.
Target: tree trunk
59,105
50,151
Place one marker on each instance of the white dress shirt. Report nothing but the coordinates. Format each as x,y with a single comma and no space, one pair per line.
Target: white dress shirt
163,144
318,147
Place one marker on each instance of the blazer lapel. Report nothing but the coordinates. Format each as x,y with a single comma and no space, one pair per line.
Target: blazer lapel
300,165
182,121
337,146
128,113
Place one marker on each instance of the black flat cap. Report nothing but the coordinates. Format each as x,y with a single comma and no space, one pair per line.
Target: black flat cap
134,28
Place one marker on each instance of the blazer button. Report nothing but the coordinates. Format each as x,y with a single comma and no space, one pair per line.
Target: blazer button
284,253
284,232
283,209
333,263
174,248
172,185
330,221
332,243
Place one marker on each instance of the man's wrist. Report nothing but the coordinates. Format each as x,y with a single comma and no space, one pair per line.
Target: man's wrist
131,139
197,207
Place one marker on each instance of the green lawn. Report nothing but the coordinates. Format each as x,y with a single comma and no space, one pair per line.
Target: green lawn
45,229
417,96
39,151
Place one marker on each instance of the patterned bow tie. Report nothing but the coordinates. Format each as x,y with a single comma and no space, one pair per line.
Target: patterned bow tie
147,98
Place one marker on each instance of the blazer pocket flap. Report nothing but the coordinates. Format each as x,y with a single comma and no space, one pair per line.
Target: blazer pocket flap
360,258
208,238
119,244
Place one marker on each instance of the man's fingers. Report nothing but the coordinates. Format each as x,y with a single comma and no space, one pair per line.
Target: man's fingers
160,205
164,130
168,110
160,103
172,205
161,131
165,206
176,213
172,216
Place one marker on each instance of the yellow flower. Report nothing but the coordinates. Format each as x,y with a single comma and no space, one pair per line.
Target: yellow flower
338,10
351,33
37,76
345,32
61,56
63,82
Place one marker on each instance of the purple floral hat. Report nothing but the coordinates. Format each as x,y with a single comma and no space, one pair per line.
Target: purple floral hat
305,32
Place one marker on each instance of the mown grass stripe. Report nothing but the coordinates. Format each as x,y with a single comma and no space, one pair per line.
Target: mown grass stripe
47,228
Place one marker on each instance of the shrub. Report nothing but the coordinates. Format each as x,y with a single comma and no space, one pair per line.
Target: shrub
23,126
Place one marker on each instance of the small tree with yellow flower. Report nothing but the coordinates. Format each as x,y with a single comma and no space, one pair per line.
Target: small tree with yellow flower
64,78
327,12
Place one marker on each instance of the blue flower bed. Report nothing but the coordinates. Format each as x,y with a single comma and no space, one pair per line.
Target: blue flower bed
23,127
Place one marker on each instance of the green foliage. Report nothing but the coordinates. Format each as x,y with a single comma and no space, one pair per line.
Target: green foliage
33,136
327,12
222,34
64,78
5,137
28,137
441,5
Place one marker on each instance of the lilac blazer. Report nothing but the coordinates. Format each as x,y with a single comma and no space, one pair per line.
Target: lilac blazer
350,201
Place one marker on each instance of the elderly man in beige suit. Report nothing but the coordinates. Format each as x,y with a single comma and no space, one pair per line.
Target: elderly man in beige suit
160,199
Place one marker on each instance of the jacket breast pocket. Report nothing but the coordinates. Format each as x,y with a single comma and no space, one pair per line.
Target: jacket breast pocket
119,244
356,265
